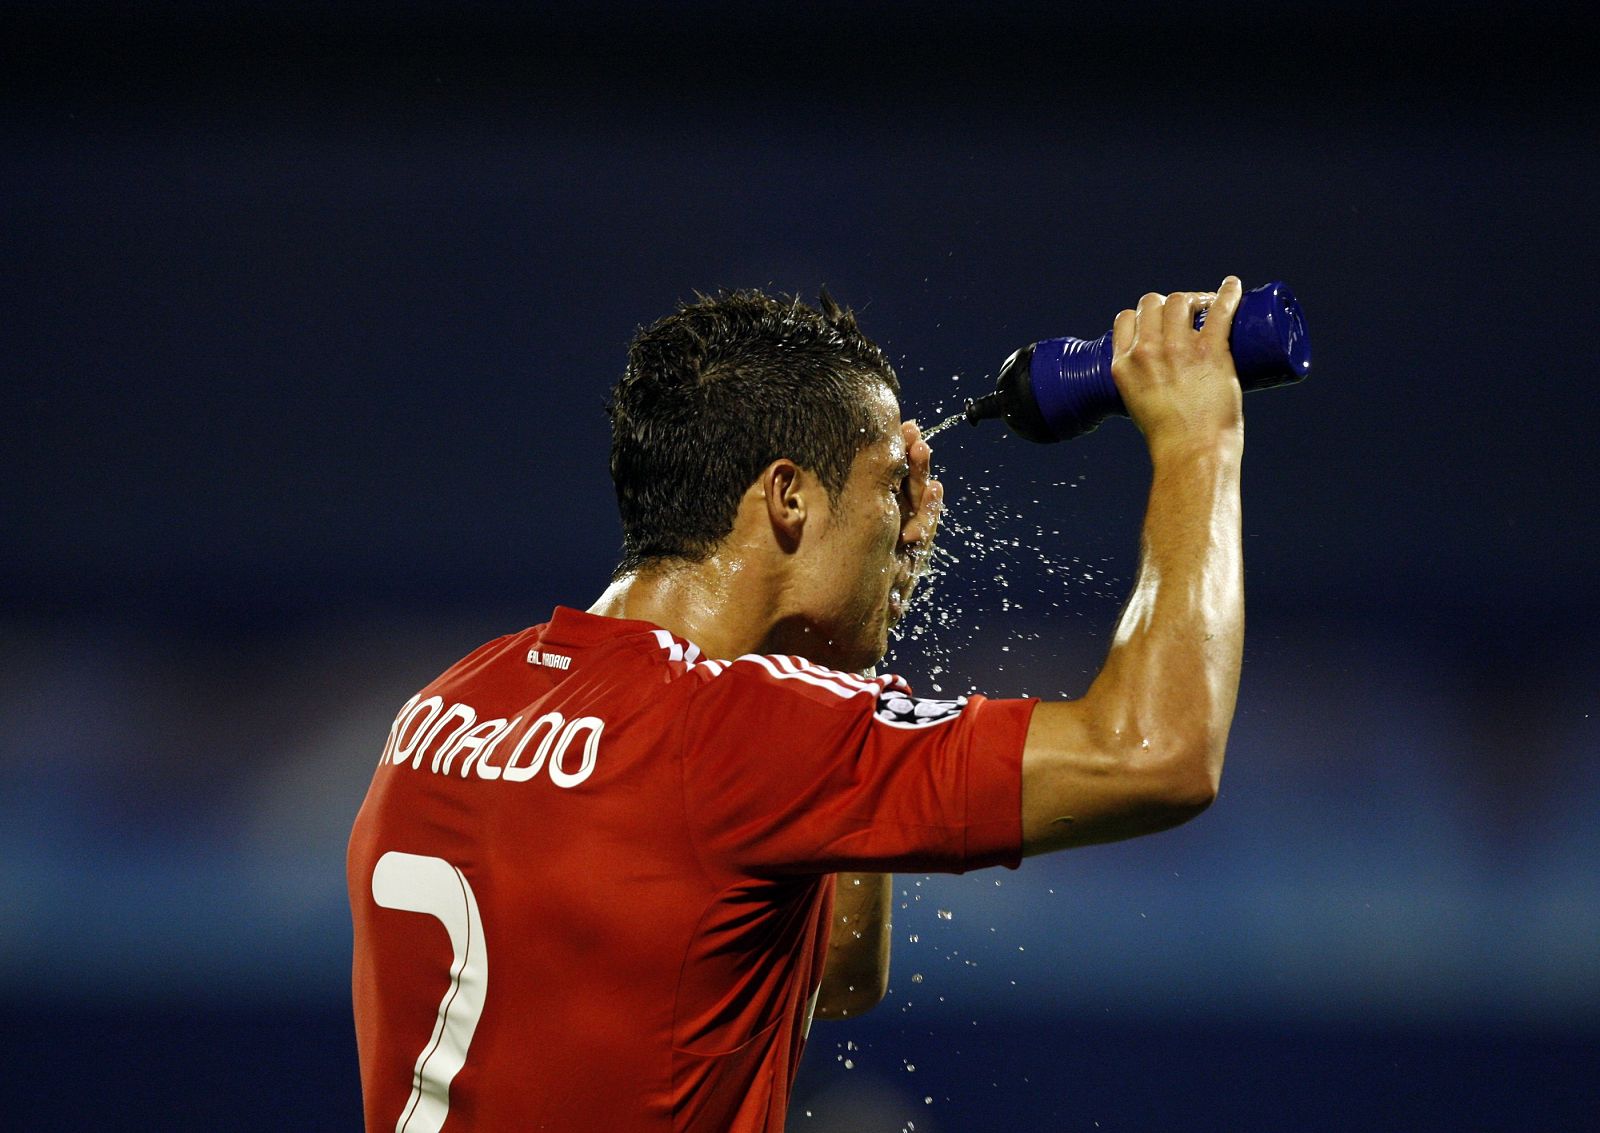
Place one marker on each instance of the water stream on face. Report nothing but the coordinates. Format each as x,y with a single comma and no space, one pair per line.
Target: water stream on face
943,425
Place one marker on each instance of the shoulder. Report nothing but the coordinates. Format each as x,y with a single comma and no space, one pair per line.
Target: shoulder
775,678
784,674
777,683
483,657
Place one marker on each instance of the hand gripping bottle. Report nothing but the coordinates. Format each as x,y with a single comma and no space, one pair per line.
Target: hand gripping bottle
1061,388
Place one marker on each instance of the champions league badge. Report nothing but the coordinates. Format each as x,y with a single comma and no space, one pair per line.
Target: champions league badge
901,711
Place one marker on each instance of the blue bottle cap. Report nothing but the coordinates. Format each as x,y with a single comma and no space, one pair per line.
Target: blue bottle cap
1269,340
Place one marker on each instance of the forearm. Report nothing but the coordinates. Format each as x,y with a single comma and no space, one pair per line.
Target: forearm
1171,677
857,972
1142,750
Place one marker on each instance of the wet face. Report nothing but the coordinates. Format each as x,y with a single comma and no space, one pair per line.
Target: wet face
859,581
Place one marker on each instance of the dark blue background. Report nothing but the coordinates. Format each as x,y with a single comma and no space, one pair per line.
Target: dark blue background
308,318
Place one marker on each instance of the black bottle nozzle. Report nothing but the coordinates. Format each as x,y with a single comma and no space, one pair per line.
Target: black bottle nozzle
985,408
1060,388
1013,399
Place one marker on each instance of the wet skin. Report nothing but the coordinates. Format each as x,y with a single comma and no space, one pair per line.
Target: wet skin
873,542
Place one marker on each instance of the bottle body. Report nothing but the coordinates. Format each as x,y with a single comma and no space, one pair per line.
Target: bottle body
1061,388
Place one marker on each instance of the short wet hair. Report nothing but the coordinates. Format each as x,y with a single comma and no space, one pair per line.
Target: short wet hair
718,390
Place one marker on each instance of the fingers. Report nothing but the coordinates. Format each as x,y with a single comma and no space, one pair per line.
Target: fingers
1147,315
919,458
1177,315
1122,332
922,496
1219,320
923,524
1147,327
918,455
1170,316
1167,371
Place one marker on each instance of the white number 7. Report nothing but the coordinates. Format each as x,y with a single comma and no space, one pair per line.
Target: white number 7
417,884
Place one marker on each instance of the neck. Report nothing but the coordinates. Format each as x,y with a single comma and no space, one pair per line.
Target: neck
724,604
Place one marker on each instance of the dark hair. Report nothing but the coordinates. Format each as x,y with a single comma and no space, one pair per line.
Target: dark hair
718,390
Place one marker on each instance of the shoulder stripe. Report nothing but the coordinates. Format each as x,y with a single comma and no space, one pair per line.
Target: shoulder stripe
849,680
685,653
840,684
778,672
779,666
669,645
873,682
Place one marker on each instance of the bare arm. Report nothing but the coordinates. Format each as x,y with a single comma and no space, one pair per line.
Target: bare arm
1142,750
857,971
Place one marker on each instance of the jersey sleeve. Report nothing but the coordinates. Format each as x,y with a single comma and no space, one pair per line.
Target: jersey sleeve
792,768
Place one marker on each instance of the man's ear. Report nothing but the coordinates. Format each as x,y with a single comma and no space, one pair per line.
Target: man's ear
787,491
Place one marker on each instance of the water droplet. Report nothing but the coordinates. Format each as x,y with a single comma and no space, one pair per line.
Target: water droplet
946,915
916,977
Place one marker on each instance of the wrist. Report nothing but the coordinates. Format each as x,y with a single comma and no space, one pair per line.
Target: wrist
1225,444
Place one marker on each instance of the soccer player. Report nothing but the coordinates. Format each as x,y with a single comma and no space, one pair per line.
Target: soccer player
610,867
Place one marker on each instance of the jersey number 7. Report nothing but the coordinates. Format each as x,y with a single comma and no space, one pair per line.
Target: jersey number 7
414,883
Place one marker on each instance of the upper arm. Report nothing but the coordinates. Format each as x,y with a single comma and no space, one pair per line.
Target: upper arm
1085,782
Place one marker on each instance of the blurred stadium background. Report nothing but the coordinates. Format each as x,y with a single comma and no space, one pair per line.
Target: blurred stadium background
308,318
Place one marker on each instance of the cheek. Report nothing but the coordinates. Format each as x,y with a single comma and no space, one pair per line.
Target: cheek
891,522
885,538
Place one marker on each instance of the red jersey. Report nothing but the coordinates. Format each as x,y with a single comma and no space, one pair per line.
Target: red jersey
591,879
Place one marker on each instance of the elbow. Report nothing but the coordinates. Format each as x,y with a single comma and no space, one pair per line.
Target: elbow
1190,780
1168,780
855,986
855,982
851,1000
1183,805
1087,781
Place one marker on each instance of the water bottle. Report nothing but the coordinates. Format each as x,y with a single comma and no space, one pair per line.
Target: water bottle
1061,388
